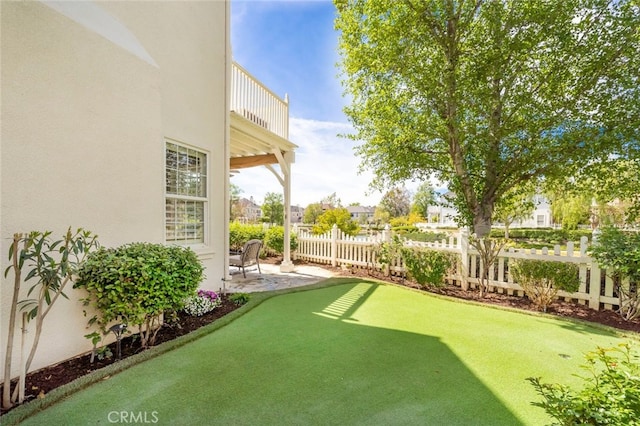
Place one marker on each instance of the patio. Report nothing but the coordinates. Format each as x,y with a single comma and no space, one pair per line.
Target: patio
272,278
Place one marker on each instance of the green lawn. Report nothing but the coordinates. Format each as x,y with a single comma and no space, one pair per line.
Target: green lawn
356,353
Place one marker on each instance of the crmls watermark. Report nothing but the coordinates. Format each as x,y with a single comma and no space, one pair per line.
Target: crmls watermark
132,417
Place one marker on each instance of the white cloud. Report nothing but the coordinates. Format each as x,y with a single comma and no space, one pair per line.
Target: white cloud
325,163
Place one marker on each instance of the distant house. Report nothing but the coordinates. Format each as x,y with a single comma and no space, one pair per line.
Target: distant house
361,214
126,119
297,214
541,216
250,211
444,215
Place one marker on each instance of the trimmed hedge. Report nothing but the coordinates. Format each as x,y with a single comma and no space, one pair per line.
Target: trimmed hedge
547,235
240,234
426,237
274,240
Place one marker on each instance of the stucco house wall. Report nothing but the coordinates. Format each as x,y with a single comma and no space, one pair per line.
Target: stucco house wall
90,93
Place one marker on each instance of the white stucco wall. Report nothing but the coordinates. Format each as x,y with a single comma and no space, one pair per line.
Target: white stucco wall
84,117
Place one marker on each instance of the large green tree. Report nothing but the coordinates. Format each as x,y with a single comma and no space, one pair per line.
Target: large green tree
489,95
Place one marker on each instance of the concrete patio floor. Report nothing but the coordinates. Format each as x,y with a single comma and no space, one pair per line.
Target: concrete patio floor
272,278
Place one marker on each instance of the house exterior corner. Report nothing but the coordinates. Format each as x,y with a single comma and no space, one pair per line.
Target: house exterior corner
107,109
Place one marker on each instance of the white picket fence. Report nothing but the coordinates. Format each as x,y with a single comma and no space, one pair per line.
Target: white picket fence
333,248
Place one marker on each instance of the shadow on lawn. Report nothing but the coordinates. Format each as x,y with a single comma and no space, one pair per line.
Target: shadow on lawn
418,378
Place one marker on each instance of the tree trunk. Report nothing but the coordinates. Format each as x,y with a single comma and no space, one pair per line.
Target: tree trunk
488,249
482,222
6,386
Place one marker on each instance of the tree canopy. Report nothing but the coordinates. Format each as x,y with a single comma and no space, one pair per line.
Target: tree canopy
424,197
340,217
273,208
489,95
312,213
396,202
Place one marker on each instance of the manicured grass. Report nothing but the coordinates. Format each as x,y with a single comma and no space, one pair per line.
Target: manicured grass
356,353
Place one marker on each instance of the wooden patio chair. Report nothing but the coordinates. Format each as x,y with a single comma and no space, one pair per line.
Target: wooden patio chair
250,255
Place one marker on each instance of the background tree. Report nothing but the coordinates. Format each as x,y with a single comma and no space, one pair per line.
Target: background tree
514,206
273,208
235,208
332,201
617,197
571,210
380,216
312,213
489,95
338,216
396,202
425,196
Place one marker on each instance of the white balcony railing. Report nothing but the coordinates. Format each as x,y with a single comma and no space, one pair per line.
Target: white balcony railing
257,103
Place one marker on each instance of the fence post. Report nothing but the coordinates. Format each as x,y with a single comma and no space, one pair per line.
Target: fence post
386,239
594,286
334,245
463,245
386,234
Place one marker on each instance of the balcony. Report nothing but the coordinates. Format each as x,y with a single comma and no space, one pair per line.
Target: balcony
259,123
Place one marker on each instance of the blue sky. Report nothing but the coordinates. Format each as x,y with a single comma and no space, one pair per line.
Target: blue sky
291,47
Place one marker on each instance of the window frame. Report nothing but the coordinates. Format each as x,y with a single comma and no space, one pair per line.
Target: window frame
186,198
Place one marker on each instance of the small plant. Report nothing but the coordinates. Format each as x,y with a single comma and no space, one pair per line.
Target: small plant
541,279
428,267
103,352
388,253
488,248
52,265
610,395
202,302
239,298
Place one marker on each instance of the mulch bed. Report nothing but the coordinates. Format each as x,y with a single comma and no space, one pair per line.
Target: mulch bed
40,382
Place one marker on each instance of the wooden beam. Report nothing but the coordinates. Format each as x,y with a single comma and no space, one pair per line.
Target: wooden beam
253,161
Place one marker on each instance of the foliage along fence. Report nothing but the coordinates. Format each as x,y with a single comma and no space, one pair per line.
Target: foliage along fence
596,289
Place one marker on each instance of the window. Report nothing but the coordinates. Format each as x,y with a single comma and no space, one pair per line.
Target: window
186,194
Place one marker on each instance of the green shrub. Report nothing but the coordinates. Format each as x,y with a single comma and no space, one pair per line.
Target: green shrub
386,253
240,233
543,235
405,229
136,283
619,253
610,394
542,279
428,267
274,240
239,298
426,237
